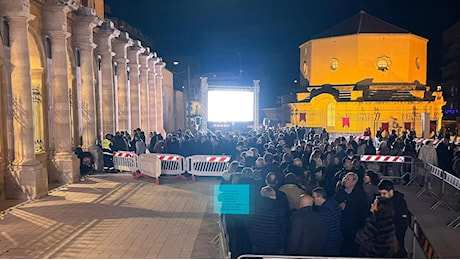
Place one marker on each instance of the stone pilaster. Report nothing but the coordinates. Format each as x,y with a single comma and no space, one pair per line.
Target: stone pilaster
64,159
159,96
83,25
145,90
152,93
133,64
27,178
120,45
103,39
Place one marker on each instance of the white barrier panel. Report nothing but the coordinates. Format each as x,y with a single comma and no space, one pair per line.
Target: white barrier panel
435,171
453,180
171,164
125,161
150,165
207,165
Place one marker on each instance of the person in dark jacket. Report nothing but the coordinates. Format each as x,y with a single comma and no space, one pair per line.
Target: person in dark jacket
353,202
269,165
377,238
329,211
281,197
347,164
268,224
401,213
309,231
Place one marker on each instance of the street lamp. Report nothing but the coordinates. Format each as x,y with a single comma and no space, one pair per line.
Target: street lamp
187,95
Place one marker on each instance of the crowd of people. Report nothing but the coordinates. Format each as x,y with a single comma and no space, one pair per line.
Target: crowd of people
309,195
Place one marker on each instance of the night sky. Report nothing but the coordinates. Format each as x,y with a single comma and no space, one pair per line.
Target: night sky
261,37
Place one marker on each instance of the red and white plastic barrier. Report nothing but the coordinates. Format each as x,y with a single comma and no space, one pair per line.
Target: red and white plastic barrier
171,164
218,158
381,158
207,165
125,161
435,141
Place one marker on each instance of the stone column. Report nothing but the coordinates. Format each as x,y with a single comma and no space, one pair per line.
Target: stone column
27,178
103,39
159,96
133,64
120,45
83,25
152,93
65,160
145,90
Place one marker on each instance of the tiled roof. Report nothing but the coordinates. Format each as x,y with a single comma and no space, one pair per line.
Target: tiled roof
360,23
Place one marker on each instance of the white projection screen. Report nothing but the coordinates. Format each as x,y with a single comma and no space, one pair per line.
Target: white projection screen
230,106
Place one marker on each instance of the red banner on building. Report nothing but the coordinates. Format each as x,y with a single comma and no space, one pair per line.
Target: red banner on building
303,117
345,121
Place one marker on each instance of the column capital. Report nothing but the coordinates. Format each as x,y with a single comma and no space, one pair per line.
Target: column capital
18,8
86,19
70,5
107,29
137,47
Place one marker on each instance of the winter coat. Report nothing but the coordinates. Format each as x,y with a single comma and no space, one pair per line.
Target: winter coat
401,217
331,214
308,233
377,238
268,225
427,154
293,193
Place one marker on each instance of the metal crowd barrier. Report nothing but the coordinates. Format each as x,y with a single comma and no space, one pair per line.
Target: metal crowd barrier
443,196
396,163
125,161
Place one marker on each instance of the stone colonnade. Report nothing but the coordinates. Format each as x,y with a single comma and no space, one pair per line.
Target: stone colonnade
96,79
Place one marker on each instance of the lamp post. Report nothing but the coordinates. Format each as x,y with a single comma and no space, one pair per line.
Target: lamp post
187,93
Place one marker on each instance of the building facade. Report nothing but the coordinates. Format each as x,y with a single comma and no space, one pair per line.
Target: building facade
363,73
450,73
68,76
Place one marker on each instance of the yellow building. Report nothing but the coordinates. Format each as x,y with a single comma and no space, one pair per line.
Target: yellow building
365,72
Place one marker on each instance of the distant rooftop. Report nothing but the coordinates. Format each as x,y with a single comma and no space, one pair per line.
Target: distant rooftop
360,23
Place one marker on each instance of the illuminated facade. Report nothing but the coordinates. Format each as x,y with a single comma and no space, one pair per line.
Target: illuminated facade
67,78
363,73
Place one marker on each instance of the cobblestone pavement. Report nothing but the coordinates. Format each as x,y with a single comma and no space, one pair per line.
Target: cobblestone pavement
115,216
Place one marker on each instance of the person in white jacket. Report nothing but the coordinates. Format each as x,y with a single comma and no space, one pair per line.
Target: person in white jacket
427,153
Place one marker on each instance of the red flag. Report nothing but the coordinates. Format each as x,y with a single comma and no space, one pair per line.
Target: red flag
345,121
303,117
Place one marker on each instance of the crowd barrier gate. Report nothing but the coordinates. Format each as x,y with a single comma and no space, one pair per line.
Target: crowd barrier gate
149,166
402,160
171,164
125,161
207,165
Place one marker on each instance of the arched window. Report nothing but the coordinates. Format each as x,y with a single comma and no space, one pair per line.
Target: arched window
331,114
6,33
115,69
